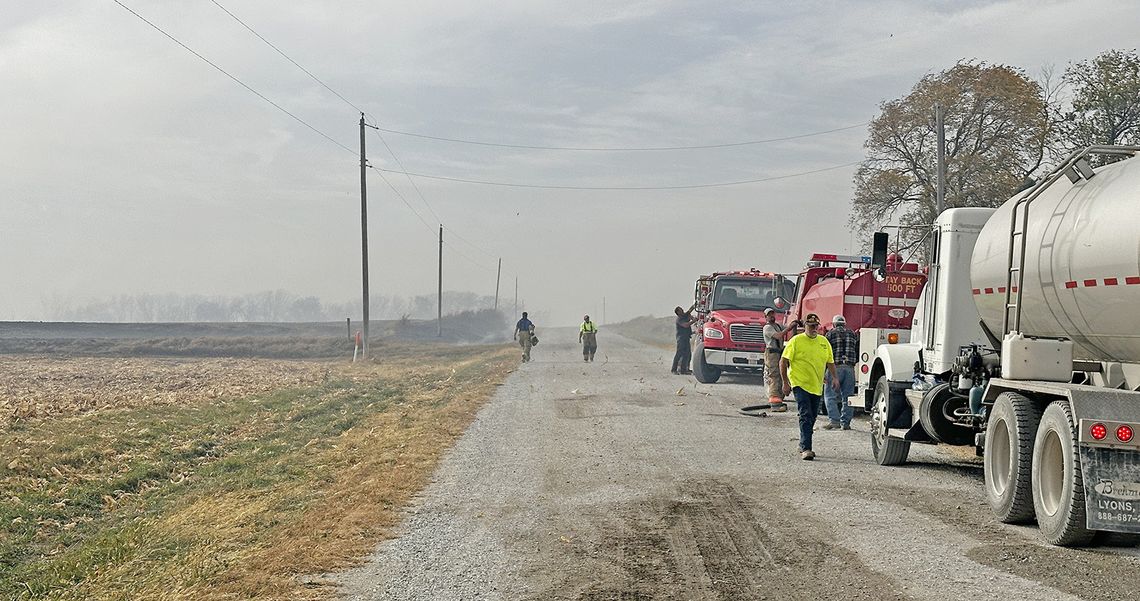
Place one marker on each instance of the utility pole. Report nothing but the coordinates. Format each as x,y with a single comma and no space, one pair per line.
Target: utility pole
498,277
364,235
439,310
940,125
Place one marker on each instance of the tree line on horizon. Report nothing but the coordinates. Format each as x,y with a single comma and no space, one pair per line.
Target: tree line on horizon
1003,129
266,306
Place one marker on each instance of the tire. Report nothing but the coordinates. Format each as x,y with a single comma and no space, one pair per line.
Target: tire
1008,457
1058,488
703,372
887,450
932,414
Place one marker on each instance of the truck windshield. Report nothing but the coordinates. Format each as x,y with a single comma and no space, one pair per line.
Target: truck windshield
750,295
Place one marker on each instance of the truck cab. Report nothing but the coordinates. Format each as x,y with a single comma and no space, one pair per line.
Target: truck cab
730,321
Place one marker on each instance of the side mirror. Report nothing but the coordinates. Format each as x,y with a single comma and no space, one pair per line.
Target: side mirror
879,250
779,302
879,273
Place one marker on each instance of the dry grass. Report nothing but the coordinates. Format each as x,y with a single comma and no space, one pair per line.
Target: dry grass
232,496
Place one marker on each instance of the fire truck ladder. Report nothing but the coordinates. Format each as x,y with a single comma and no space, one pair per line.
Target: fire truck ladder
1076,167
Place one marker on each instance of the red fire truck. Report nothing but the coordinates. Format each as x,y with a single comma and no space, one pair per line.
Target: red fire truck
879,306
730,321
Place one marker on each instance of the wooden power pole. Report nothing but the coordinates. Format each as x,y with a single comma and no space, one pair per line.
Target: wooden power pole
498,277
439,306
364,235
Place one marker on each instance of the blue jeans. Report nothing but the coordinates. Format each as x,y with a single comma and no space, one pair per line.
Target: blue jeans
684,355
807,404
838,406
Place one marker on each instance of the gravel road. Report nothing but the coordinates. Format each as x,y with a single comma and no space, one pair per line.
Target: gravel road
617,480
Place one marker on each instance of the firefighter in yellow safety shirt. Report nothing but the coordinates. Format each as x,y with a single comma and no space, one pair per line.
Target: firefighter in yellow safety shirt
588,336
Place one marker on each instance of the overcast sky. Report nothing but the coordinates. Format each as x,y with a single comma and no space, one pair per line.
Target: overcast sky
130,166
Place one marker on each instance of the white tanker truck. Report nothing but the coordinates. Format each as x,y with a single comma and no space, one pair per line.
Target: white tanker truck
1026,343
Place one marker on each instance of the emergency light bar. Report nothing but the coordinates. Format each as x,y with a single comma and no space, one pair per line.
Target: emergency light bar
823,257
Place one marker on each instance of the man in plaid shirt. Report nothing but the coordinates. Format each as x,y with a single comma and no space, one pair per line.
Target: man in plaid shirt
845,346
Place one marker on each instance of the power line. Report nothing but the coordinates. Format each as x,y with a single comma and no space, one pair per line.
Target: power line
621,149
405,172
470,243
400,195
287,57
378,135
306,124
485,182
235,79
677,187
430,228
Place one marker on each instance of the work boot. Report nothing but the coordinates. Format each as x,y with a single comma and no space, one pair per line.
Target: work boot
846,426
807,455
778,407
831,426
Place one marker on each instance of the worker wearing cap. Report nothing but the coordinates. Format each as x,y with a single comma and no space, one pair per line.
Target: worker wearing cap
773,348
845,348
588,337
803,364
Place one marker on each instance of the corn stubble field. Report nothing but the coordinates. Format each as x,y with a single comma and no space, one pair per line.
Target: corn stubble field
213,478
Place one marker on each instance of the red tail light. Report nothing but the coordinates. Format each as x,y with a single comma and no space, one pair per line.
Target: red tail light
864,368
1124,433
1098,431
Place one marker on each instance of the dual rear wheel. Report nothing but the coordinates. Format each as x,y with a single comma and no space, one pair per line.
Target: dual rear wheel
1032,468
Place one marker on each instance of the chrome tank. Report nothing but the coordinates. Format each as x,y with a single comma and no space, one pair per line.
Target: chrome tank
1082,265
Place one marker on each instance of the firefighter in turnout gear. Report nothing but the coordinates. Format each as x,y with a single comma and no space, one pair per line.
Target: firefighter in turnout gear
774,347
588,336
524,333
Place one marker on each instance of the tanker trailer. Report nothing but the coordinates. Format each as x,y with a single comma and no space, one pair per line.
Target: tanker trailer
1027,343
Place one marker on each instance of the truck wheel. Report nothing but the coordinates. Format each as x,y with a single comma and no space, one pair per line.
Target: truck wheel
1058,489
703,372
1010,430
936,403
887,450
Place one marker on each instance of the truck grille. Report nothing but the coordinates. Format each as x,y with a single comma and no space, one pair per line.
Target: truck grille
746,333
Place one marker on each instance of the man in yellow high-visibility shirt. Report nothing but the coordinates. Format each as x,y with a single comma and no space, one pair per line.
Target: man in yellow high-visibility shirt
588,336
802,366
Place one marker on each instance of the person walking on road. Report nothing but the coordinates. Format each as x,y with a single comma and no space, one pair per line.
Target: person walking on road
588,336
773,348
524,333
684,354
806,357
845,348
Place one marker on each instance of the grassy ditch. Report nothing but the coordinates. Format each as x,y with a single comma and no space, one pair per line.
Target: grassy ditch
230,497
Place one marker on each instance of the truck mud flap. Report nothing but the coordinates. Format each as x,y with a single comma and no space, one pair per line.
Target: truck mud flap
1112,488
898,409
